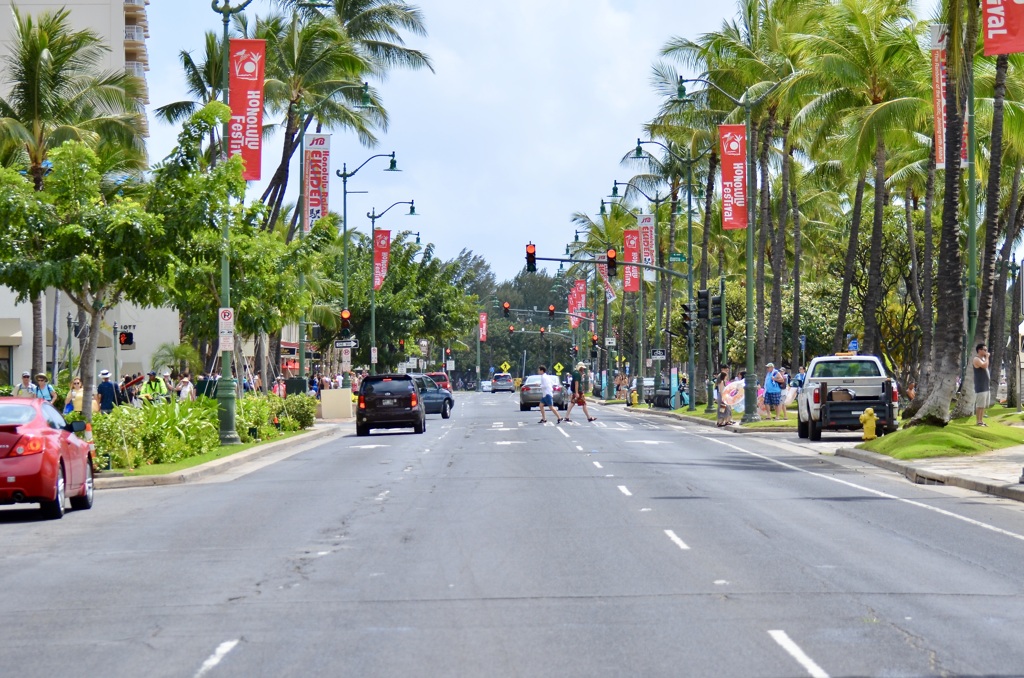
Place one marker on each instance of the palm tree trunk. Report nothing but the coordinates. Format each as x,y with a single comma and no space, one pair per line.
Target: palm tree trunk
1013,377
797,254
992,232
779,254
913,277
928,281
998,325
851,263
38,340
872,299
765,236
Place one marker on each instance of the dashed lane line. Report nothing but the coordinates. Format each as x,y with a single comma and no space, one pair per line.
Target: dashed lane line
798,654
625,490
676,540
217,657
598,464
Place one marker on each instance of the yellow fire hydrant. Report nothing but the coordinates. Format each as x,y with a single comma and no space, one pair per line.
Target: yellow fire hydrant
635,399
868,419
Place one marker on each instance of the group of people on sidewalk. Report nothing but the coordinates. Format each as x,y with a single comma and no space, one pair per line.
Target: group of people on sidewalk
773,396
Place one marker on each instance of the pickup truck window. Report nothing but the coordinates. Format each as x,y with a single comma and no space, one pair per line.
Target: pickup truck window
845,369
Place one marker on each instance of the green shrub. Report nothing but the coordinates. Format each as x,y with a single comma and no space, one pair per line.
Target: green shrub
257,412
156,434
5,390
119,435
301,408
289,425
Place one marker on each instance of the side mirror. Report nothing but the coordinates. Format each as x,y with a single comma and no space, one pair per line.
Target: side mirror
77,426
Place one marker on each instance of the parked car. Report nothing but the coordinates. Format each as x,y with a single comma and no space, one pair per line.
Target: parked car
436,399
390,401
838,389
531,390
441,379
485,386
502,381
42,458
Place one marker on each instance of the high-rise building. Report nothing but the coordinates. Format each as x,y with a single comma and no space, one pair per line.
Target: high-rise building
121,25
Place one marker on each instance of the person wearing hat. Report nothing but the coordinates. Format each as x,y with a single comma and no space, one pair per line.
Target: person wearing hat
25,389
186,391
773,383
279,388
106,393
44,391
154,390
576,396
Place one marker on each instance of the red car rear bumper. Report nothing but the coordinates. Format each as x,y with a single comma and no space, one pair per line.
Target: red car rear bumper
27,479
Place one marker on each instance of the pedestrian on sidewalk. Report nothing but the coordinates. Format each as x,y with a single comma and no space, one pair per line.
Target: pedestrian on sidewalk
724,408
773,381
547,395
982,383
576,396
26,389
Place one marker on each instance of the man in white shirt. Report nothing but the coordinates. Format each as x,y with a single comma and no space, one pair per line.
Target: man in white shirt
547,395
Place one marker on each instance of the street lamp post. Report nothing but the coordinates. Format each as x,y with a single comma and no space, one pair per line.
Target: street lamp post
750,383
373,217
344,175
226,385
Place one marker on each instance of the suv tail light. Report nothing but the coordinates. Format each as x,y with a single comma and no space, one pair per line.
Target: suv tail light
362,402
895,393
817,396
415,401
524,389
26,446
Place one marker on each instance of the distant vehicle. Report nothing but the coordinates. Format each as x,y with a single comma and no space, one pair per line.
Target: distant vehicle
839,388
648,390
436,399
390,401
531,390
42,458
441,379
503,382
485,386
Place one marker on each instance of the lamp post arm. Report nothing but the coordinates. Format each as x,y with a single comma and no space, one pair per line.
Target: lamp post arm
657,199
373,216
738,102
342,174
687,161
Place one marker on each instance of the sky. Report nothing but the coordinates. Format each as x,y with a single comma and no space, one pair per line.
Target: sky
532,106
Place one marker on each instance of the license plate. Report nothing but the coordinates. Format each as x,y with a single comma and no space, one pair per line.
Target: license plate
387,402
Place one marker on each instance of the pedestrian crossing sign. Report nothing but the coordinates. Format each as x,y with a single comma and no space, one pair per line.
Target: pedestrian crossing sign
558,368
505,366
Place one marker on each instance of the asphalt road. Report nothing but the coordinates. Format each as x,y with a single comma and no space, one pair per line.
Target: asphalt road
495,546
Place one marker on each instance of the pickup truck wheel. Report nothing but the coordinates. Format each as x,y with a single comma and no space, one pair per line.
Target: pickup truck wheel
801,428
814,430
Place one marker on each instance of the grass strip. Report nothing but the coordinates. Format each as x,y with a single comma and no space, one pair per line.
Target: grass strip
960,438
219,453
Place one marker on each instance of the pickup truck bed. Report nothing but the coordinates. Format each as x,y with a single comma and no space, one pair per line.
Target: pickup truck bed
839,389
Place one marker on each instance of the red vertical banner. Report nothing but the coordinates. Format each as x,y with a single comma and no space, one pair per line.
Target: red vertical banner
940,79
602,268
245,87
630,255
577,300
381,256
483,327
317,170
1004,26
733,140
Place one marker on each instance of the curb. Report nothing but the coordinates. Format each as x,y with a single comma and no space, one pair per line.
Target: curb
701,421
217,465
920,476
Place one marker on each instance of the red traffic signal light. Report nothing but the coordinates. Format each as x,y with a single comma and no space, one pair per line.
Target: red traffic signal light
551,310
447,351
346,320
505,308
542,331
511,329
531,258
612,261
594,339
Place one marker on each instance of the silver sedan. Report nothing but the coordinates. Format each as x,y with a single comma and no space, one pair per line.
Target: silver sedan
530,392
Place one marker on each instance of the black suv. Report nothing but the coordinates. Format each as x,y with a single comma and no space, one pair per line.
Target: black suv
389,401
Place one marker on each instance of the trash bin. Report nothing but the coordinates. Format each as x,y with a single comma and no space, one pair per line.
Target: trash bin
295,385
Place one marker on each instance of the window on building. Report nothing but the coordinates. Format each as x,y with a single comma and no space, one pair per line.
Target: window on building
5,366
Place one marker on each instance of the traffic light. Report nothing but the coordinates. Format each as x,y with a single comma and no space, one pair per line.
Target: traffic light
505,308
551,311
594,339
448,352
401,345
542,330
688,315
126,338
531,258
593,345
716,311
702,304
511,329
574,351
612,262
346,322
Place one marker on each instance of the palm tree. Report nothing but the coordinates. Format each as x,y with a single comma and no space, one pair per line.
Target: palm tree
57,93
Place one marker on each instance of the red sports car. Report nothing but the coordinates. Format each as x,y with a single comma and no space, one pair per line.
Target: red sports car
41,459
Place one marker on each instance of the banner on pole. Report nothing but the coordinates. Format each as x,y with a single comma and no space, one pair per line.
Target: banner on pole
245,87
577,301
940,78
317,167
630,255
602,268
1004,26
483,327
733,139
381,256
645,222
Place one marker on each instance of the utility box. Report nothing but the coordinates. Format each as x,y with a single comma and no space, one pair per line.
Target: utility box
336,403
295,385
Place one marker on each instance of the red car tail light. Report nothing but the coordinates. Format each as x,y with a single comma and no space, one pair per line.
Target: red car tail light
524,389
415,402
817,396
362,402
27,445
895,393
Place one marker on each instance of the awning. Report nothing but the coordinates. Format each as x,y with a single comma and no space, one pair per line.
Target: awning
10,332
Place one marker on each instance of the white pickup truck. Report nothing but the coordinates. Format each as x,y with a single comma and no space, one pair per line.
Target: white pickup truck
839,388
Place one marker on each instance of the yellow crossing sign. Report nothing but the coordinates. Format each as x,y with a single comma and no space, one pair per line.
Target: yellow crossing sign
505,366
558,368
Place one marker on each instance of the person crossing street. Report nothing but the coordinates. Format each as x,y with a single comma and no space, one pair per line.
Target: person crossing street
547,398
576,396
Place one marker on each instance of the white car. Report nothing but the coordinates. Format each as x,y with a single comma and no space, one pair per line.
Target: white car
485,386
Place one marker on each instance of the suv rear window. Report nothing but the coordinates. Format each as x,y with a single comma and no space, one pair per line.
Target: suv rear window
502,377
387,386
841,369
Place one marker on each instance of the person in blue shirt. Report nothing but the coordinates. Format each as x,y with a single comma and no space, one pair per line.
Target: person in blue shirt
106,393
773,383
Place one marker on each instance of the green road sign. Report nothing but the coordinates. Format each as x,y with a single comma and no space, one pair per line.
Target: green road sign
677,257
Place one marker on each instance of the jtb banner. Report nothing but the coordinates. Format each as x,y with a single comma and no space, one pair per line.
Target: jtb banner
318,174
645,222
630,255
1004,26
733,139
381,256
245,131
483,327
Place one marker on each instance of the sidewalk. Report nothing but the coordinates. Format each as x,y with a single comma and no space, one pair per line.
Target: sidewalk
321,430
997,473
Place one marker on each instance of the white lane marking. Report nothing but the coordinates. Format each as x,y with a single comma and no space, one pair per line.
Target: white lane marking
562,431
646,510
598,464
625,427
579,447
498,424
877,493
510,442
609,476
676,540
599,424
216,658
367,447
796,653
499,429
383,495
624,490
648,442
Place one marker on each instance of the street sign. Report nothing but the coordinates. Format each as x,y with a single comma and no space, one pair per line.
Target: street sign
659,354
373,355
505,366
227,343
226,321
346,355
854,344
803,342
609,341
677,257
558,368
450,365
346,343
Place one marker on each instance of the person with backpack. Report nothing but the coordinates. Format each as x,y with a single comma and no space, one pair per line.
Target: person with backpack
25,389
44,391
